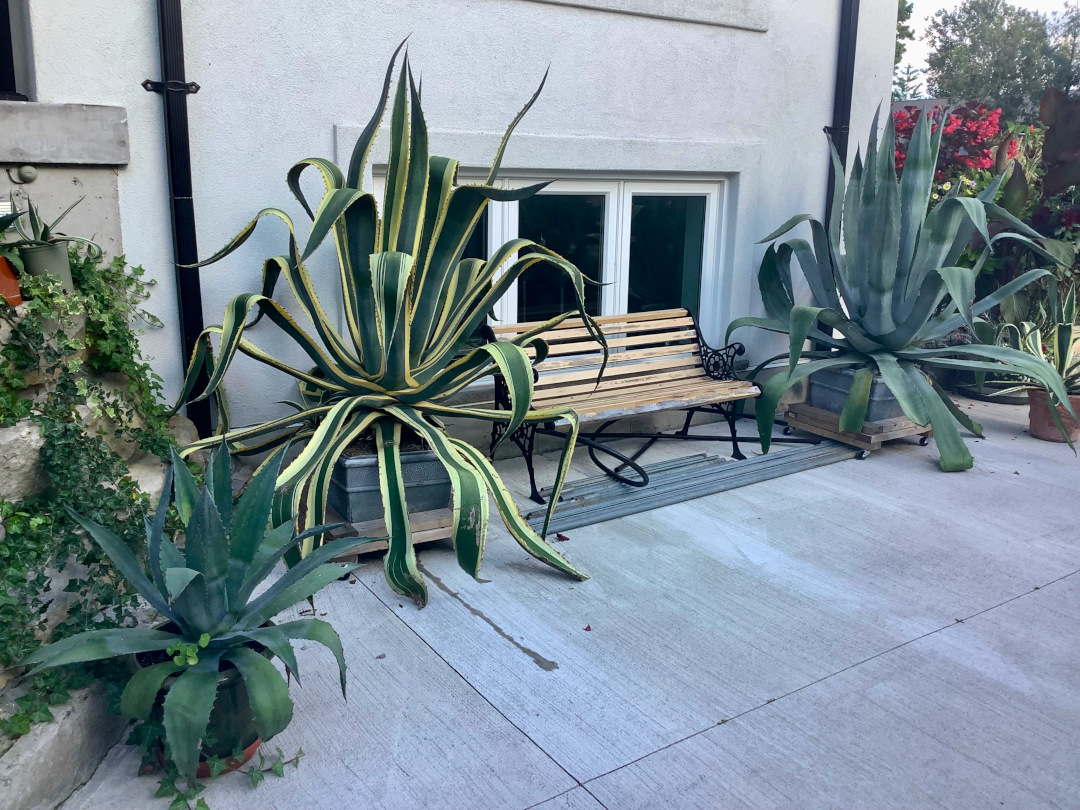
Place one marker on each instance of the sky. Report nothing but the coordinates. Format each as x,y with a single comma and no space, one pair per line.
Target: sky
917,50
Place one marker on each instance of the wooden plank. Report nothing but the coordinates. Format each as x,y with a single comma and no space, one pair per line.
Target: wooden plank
634,391
644,390
813,414
684,335
886,430
559,335
568,390
674,404
616,357
653,366
427,527
602,320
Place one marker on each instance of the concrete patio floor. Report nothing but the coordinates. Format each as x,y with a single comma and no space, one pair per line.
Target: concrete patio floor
871,634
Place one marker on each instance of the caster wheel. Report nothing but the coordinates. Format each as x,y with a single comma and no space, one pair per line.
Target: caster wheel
788,430
924,441
862,454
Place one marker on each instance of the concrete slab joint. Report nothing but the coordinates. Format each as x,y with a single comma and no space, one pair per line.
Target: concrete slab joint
70,134
745,14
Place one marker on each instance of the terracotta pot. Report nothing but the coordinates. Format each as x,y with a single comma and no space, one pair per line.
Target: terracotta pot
1040,421
231,720
9,283
231,764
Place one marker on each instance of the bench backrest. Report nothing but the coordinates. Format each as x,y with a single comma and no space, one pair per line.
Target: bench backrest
645,347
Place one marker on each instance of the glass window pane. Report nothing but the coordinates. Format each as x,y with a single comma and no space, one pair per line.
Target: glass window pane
666,238
477,246
573,226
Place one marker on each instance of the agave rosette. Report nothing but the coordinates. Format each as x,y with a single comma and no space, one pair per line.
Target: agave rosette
214,595
885,281
411,305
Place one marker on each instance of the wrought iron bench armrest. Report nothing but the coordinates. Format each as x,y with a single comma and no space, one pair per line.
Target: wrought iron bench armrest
719,363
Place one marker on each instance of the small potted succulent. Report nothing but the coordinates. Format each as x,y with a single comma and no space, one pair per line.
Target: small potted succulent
205,671
1054,341
41,249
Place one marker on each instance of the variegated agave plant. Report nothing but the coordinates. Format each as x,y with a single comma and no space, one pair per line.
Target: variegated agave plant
888,283
411,305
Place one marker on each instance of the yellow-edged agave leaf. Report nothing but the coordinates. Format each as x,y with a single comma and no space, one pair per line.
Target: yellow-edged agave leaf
400,560
412,304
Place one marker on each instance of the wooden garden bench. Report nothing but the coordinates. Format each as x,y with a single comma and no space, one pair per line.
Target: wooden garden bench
657,362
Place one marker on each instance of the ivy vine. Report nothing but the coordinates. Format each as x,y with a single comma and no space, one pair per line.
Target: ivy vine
46,339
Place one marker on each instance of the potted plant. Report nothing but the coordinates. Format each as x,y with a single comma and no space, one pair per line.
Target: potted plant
411,306
883,274
10,263
206,668
1056,342
42,249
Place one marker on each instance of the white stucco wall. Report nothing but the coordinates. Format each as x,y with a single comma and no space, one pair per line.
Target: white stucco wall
626,92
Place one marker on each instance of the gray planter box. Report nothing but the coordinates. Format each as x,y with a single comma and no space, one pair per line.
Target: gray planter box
829,388
354,486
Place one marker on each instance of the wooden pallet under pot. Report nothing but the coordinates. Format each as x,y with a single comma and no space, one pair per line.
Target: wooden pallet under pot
873,434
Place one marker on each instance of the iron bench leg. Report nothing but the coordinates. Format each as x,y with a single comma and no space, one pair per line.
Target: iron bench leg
525,440
730,412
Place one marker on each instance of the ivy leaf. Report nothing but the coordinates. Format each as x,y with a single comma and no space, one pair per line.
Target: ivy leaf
19,724
41,715
256,776
278,767
179,803
166,788
216,765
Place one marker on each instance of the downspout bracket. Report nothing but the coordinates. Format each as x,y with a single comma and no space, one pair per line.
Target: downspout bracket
172,86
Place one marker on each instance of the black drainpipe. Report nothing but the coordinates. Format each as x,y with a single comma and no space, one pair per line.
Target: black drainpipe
174,90
845,81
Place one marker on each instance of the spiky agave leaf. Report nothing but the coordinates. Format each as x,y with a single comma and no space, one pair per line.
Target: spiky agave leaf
411,305
877,274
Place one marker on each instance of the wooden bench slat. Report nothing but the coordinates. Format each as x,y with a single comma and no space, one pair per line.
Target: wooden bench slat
601,320
614,371
645,393
562,335
617,357
681,336
677,401
612,385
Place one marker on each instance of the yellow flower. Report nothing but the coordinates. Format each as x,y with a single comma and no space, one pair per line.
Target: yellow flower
936,196
946,186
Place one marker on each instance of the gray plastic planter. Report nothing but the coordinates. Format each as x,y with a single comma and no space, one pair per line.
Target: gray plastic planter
354,486
51,258
829,388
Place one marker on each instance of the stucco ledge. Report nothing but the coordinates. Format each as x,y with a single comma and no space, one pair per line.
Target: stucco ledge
65,134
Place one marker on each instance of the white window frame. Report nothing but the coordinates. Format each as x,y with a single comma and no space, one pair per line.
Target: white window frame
619,193
618,210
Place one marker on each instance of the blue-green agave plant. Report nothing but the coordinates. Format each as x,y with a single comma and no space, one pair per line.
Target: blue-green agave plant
205,591
885,281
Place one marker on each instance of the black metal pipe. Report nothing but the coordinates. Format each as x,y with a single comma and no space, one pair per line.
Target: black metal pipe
174,92
843,90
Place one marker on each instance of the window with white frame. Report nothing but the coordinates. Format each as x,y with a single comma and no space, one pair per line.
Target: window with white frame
651,244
